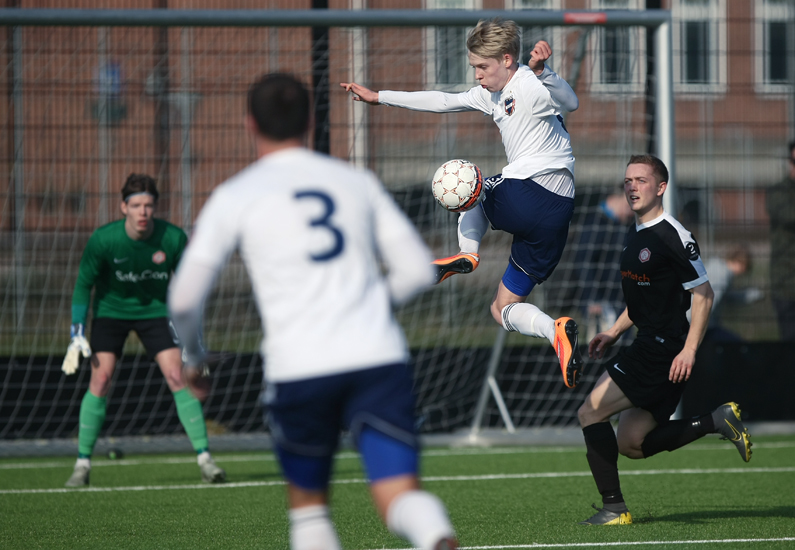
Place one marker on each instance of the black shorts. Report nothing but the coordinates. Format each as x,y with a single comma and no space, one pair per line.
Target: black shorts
109,334
642,370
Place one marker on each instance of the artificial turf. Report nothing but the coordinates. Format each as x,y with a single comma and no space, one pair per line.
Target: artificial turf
513,497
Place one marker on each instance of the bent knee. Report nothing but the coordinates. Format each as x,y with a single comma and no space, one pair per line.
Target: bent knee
587,415
582,415
630,449
496,313
175,381
100,383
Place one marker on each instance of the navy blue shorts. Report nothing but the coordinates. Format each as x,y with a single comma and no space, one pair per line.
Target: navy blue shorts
376,405
539,221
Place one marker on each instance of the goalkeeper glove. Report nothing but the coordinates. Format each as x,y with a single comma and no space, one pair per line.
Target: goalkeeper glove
201,366
77,346
198,360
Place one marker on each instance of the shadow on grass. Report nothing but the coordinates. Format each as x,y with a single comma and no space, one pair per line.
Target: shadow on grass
708,516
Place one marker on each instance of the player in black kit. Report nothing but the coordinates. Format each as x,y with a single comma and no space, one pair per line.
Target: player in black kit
662,276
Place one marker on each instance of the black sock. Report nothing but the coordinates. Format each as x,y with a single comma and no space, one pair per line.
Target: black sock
602,454
676,433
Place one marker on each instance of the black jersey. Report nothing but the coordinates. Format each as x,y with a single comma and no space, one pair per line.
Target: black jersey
659,264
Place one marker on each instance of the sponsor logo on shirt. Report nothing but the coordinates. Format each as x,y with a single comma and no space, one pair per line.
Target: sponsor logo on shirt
644,255
643,280
510,105
146,275
119,260
159,257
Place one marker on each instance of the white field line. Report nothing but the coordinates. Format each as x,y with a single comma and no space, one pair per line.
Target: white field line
347,455
428,479
635,543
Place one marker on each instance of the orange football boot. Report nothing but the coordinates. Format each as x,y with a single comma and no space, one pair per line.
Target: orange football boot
568,350
463,262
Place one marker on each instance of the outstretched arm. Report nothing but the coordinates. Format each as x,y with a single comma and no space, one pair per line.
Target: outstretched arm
360,93
427,101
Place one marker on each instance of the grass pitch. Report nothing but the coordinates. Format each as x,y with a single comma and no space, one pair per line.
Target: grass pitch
700,497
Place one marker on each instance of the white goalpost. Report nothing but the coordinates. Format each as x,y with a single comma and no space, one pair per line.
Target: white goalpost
94,95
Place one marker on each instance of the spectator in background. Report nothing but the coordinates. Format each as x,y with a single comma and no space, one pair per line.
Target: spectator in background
721,272
598,251
781,209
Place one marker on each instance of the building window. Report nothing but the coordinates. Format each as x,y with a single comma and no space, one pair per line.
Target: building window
447,65
699,45
618,53
532,34
696,47
774,45
615,59
451,55
776,49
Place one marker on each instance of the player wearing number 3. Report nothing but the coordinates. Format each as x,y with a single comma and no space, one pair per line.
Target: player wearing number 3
533,198
315,235
129,264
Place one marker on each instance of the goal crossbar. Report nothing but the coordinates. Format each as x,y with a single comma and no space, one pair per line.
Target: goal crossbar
325,18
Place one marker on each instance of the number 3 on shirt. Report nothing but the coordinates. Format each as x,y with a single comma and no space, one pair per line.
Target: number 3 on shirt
324,222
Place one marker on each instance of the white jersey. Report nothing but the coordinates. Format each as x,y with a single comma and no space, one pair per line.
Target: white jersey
313,233
527,113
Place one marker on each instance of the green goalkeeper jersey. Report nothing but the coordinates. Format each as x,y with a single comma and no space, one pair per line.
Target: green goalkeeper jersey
130,277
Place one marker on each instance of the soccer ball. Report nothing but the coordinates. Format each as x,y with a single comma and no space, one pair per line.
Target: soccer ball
458,185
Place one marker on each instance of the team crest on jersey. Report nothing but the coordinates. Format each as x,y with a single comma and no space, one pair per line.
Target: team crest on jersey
644,255
159,257
510,105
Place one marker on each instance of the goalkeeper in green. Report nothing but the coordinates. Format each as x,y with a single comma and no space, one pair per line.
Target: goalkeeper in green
129,264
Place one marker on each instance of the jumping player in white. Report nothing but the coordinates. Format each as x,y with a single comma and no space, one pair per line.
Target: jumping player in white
662,276
533,198
315,235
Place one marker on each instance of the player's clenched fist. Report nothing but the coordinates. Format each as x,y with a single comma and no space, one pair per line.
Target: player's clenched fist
541,52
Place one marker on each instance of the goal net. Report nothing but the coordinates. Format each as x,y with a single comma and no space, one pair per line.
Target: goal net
89,104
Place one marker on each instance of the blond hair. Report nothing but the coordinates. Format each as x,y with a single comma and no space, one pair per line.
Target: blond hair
493,38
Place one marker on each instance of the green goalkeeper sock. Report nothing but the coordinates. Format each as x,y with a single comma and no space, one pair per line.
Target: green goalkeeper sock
92,416
191,415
